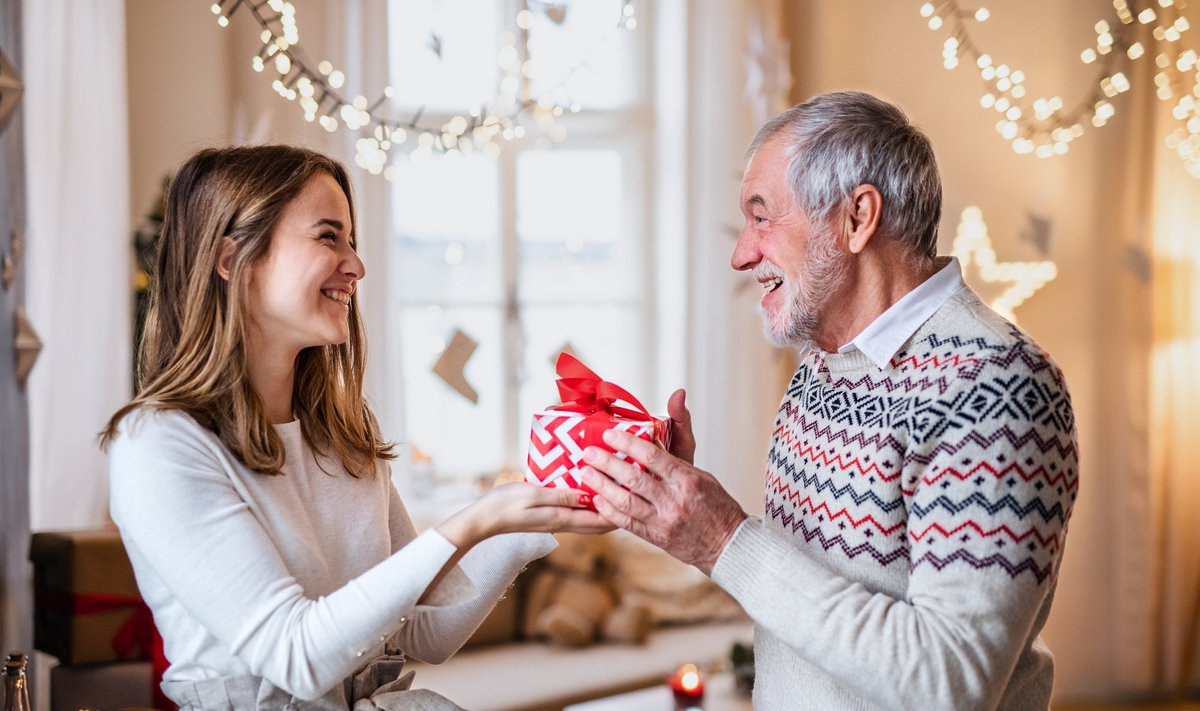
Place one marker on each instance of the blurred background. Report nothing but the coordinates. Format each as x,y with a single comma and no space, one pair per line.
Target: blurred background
538,176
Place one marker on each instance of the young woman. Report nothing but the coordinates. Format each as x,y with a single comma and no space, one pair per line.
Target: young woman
249,477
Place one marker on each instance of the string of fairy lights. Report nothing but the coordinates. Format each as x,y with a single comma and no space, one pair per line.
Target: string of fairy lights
1046,127
318,89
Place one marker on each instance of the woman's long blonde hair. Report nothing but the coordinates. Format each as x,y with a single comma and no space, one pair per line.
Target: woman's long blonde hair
193,352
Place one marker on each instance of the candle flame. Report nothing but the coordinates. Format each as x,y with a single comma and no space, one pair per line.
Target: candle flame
690,681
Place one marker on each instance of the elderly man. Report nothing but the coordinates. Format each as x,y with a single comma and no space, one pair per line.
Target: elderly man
923,464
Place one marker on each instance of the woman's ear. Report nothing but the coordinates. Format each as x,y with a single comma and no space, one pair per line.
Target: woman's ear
866,207
225,257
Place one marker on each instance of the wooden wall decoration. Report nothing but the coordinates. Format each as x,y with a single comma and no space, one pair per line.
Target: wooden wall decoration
10,89
28,346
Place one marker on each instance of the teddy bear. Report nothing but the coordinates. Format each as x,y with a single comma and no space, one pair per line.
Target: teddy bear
572,601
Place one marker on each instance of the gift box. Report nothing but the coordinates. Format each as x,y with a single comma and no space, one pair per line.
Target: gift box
589,406
87,608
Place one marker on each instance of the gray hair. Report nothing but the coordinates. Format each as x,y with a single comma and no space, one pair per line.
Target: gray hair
839,141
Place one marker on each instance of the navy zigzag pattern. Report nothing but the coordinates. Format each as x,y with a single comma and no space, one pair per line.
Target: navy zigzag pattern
1051,513
1044,445
796,525
1040,573
815,485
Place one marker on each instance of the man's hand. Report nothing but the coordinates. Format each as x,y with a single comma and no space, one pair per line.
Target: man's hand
671,504
683,442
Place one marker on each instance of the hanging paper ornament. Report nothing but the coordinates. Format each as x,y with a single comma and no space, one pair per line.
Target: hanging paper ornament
1037,232
451,364
556,12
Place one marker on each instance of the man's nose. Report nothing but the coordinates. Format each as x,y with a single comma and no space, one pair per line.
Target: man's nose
746,253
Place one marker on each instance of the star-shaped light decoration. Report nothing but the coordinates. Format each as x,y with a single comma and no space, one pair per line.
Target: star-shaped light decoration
972,245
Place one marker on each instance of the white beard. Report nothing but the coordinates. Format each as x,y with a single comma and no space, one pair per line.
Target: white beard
824,270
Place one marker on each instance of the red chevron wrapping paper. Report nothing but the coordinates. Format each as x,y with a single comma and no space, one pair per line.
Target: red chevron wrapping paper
590,406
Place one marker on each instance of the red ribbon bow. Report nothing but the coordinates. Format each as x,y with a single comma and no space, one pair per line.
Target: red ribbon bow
585,392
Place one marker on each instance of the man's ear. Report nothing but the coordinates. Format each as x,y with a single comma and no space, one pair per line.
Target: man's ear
862,219
225,257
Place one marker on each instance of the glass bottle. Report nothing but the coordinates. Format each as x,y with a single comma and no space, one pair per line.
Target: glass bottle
16,684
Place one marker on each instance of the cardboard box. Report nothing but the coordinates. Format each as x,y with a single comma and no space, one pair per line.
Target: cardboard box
87,608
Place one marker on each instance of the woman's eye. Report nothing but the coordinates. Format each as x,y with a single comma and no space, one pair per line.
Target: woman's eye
331,236
759,219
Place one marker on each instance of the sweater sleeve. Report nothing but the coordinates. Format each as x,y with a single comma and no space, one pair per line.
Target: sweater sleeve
453,609
988,488
181,513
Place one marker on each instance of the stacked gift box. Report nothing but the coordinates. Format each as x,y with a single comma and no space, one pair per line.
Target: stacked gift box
89,615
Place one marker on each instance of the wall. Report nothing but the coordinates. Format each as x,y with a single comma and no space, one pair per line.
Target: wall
179,93
885,48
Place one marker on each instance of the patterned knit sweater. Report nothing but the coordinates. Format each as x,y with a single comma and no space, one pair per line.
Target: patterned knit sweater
914,524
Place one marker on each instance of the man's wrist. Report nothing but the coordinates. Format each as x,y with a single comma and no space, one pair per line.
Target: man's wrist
723,542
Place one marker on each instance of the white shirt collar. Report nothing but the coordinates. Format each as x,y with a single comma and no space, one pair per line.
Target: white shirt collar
880,340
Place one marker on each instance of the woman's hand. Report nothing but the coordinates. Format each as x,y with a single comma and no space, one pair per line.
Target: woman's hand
509,508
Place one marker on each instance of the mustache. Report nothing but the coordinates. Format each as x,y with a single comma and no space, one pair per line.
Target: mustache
767,270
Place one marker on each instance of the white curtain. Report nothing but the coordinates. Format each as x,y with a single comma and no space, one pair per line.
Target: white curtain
732,372
78,290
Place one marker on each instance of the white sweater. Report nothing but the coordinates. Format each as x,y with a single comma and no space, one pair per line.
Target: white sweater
298,578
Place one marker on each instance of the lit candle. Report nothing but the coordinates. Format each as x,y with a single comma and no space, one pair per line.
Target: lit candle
687,686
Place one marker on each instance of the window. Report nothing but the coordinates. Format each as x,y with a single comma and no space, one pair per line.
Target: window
526,247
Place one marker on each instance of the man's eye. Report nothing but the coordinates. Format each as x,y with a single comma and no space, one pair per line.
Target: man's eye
759,219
